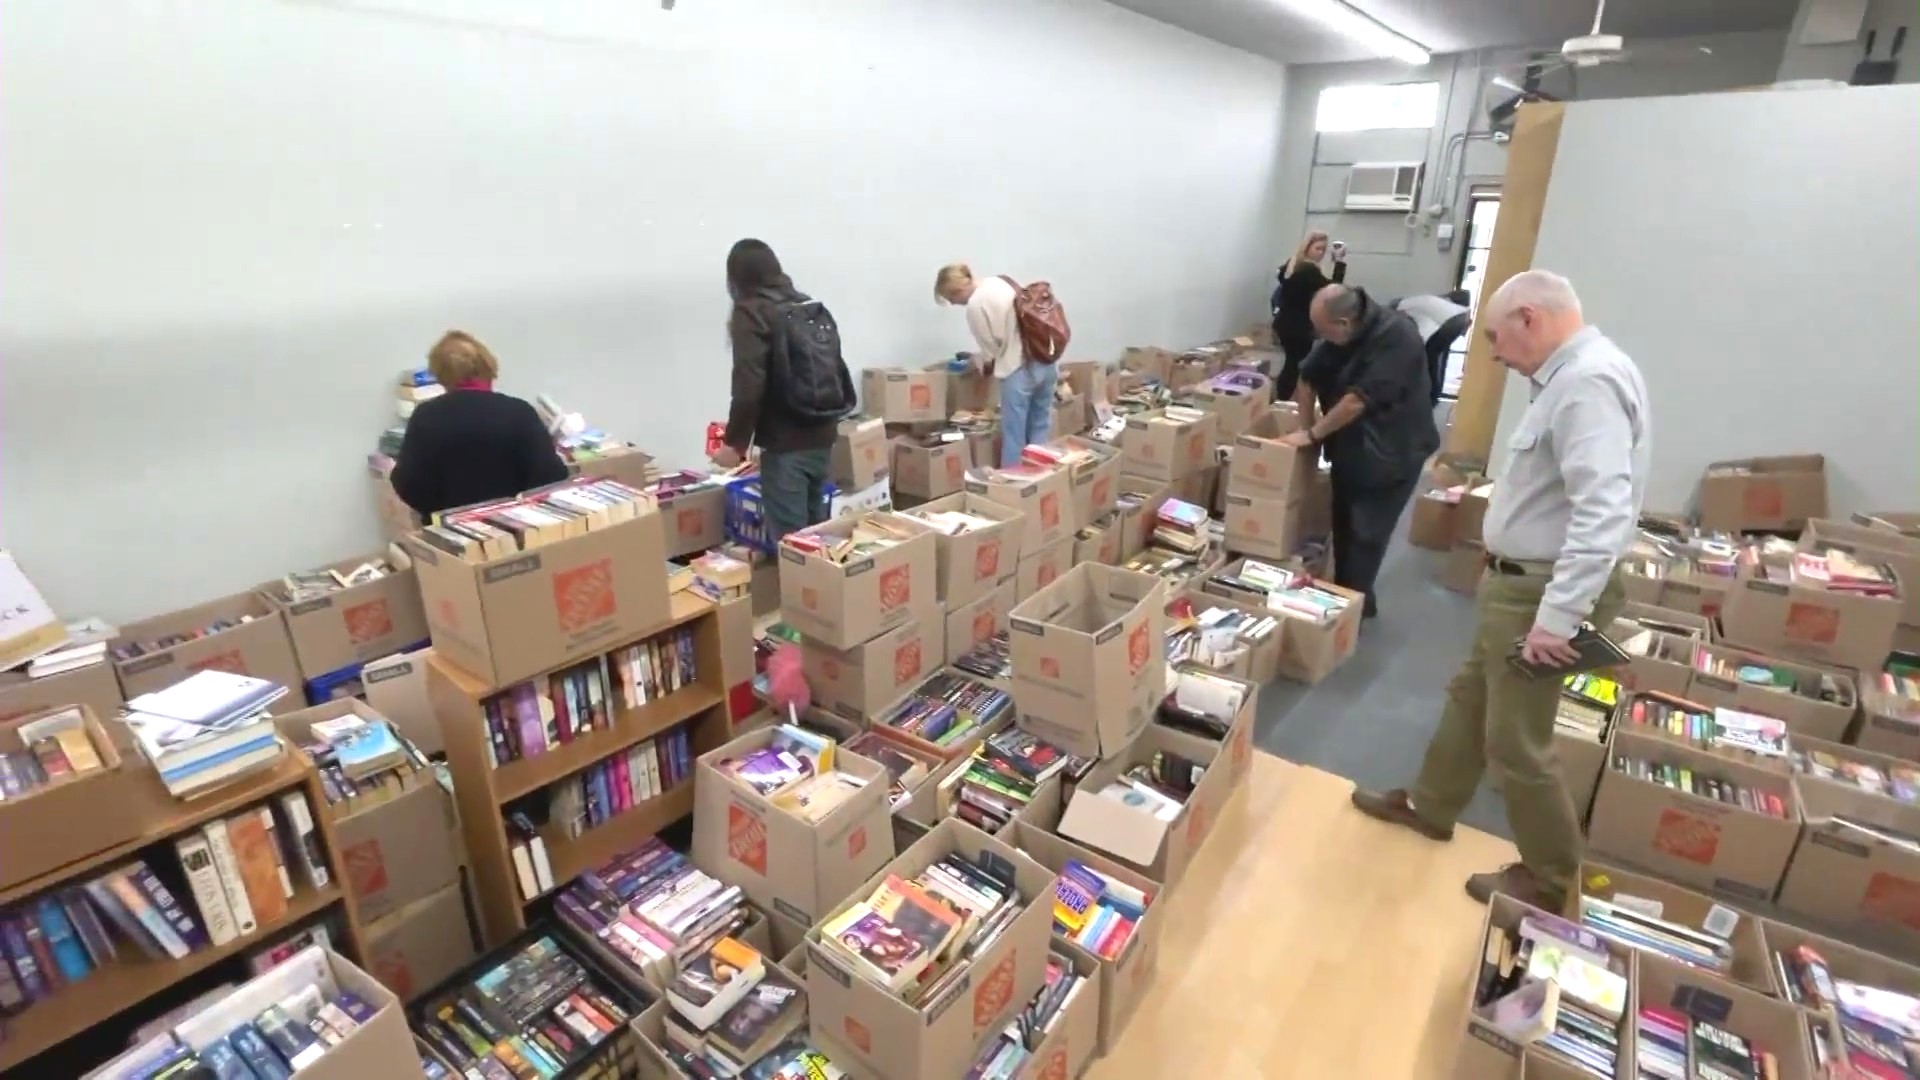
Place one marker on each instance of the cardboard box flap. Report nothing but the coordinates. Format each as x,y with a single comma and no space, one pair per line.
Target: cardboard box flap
1111,825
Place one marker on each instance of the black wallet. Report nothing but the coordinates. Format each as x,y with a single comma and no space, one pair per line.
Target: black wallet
1595,648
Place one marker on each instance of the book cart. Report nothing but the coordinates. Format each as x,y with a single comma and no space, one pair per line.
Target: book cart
482,789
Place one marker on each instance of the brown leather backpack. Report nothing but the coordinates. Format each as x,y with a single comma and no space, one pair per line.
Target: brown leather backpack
1042,321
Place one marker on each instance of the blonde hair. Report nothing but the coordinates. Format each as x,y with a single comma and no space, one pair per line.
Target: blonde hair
459,357
1313,237
951,276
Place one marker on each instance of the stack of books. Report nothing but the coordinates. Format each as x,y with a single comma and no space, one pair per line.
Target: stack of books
653,909
534,1014
1754,671
1701,783
55,747
1727,730
721,577
1634,927
1308,603
206,730
1182,527
791,756
730,1009
528,719
1009,1050
1000,780
1843,572
1176,568
614,785
1096,912
870,535
656,667
1675,1046
1552,983
915,937
991,660
1880,1027
953,522
280,1040
548,515
905,771
412,388
302,585
128,650
1216,637
1253,581
86,645
947,709
364,762
1900,781
1585,708
1202,704
1160,786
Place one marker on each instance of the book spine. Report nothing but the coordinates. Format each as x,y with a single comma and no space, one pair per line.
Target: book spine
597,696
135,900
13,996
203,881
277,851
63,945
532,730
227,864
170,909
562,709
93,934
622,783
304,838
20,951
259,872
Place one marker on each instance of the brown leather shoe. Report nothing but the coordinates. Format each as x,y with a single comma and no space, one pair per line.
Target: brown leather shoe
1516,881
1396,808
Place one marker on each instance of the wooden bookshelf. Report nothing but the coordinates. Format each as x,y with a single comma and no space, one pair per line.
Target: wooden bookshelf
483,790
133,978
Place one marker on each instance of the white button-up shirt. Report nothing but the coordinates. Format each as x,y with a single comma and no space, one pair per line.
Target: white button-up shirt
1572,491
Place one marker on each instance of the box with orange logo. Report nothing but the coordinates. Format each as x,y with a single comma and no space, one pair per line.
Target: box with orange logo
974,562
904,396
1715,841
921,471
789,865
355,624
870,676
1855,866
851,579
1089,658
1780,610
1311,651
242,633
1043,568
1094,469
1123,979
859,453
883,1034
515,616
693,518
1145,841
1759,494
1042,494
1167,444
972,625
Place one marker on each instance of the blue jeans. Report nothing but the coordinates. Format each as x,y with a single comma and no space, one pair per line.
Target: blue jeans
793,489
1026,409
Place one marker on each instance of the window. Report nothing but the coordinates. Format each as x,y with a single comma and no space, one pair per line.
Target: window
1364,108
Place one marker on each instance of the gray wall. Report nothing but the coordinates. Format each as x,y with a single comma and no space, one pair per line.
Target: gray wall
1837,61
229,223
1394,260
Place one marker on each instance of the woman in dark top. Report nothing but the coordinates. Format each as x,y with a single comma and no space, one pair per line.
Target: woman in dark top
470,444
1299,279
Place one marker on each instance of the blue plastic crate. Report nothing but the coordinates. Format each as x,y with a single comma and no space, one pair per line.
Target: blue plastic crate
747,517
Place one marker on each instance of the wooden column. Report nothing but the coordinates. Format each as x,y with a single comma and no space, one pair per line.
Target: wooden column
1523,198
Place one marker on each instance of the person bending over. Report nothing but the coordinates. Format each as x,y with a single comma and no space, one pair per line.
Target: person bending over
1026,387
1378,428
791,387
471,444
1563,513
1442,320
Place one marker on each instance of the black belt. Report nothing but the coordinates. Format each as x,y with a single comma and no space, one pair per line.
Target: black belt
1509,567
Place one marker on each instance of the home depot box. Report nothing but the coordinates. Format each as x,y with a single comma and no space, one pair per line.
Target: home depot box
896,1040
1069,416
1043,496
254,642
1235,408
1264,526
1139,509
1236,745
1166,447
1844,961
973,625
381,1046
1886,547
1666,667
900,396
397,689
1310,651
859,453
629,465
1124,979
1846,873
969,389
1264,465
784,863
978,561
1191,369
93,686
1088,378
1257,661
352,625
1752,964
844,604
422,944
1684,589
694,519
873,674
1043,568
1810,622
1766,493
1089,659
930,472
1154,363
1889,724
1460,571
1473,512
1804,705
1748,1013
1101,542
1073,1039
1690,838
1670,620
1160,849
397,850
1200,487
1096,481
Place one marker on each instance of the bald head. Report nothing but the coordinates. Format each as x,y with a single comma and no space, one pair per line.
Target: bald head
1335,312
1529,317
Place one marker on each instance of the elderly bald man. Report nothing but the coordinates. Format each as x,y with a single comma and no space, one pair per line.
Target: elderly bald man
1562,514
1370,372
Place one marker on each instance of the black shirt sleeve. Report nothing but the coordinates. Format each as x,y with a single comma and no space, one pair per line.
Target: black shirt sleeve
751,346
1339,272
540,462
416,475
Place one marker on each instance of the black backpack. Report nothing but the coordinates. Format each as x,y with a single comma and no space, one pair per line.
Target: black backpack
805,368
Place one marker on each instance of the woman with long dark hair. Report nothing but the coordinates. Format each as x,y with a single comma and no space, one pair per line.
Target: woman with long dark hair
1300,278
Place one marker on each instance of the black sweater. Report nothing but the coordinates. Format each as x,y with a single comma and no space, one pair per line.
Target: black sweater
469,446
759,415
1293,300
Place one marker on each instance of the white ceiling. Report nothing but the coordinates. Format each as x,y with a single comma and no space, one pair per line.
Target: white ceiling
1271,28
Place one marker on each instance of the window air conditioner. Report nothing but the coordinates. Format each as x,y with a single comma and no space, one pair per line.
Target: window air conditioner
1388,185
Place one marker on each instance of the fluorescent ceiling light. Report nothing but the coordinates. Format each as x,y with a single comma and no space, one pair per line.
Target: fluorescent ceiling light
1361,28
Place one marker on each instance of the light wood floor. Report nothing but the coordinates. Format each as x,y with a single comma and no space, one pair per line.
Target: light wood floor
1310,942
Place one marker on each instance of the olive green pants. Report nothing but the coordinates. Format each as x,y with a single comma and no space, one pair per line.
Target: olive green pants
1497,718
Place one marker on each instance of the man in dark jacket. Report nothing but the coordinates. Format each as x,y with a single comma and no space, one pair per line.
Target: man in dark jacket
1371,369
795,450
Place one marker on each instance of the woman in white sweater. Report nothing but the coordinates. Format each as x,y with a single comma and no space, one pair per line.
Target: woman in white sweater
1026,389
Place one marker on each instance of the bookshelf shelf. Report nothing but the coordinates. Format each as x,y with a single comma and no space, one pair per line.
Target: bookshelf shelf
622,832
516,778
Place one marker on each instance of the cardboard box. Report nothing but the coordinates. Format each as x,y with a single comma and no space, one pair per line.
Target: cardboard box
1044,498
1190,369
1316,510
1259,662
396,518
1848,876
1748,1013
1688,838
629,465
1162,850
1666,668
1580,762
984,446
874,674
1844,961
1263,465
1771,494
1103,542
973,625
844,605
968,389
353,625
892,1038
1473,512
1040,570
1161,448
1235,408
1069,1049
1139,509
1088,378
1124,980
93,686
380,1047
1434,521
1069,416
813,865
1310,651
1096,485
421,945
1089,659
977,562
930,472
1684,590
1895,550
1810,623
91,812
1264,527
258,647
902,396
1699,627
860,457
396,851
513,617
1460,571
1154,363
1800,707
1888,725
694,519
1752,965
1199,487
397,689
1641,588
